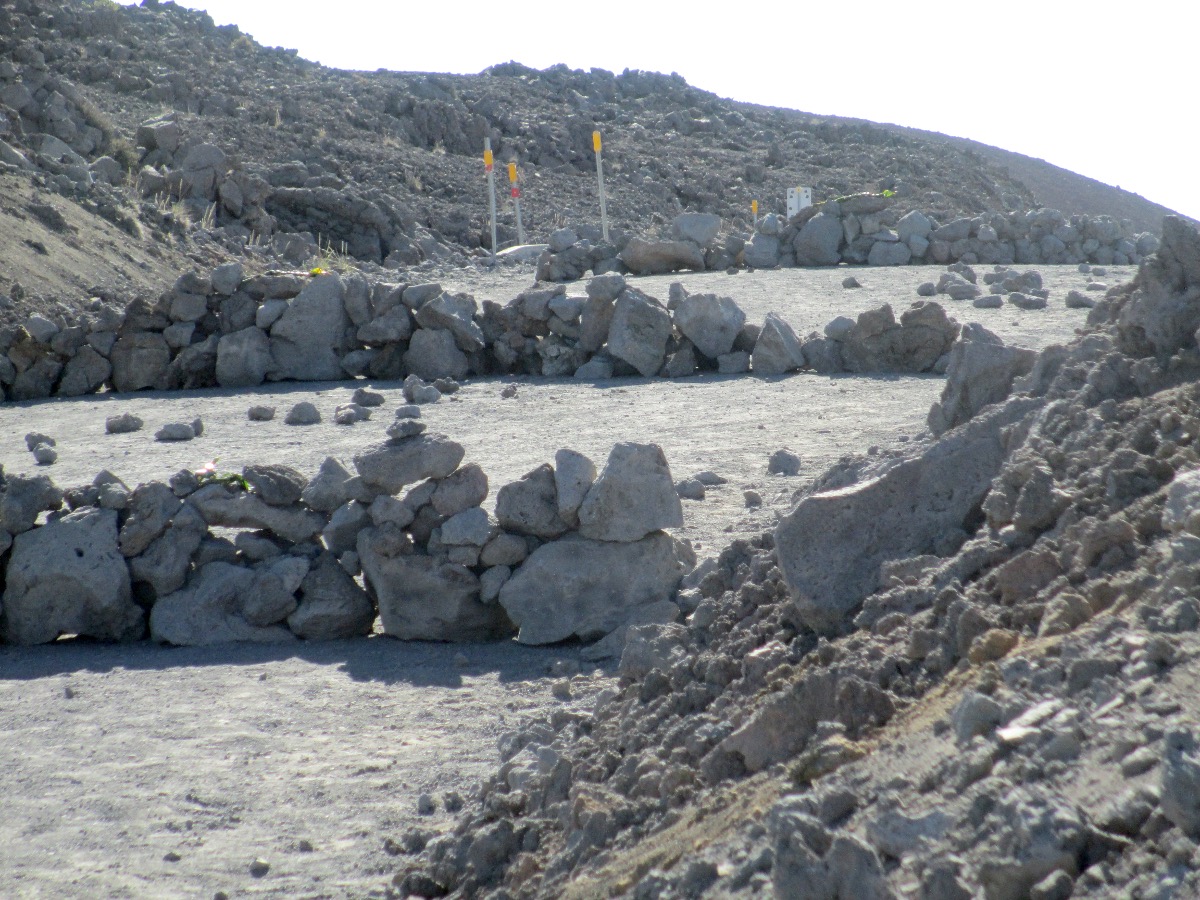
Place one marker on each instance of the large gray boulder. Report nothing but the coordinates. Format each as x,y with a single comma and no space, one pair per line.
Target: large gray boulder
165,563
710,322
587,588
309,340
878,343
777,349
84,373
69,577
433,353
699,228
23,498
244,358
977,374
644,257
530,505
151,508
212,608
454,313
423,599
332,605
831,545
232,508
761,251
889,253
139,360
633,496
639,332
386,468
817,242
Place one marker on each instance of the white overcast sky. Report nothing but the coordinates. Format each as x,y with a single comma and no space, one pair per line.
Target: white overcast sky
1108,90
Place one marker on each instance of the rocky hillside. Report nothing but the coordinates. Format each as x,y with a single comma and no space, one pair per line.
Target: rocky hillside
245,143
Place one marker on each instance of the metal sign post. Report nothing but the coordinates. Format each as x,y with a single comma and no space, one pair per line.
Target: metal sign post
516,197
488,166
596,145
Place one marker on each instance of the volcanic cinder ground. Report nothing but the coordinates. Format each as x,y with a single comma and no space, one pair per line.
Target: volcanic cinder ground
137,770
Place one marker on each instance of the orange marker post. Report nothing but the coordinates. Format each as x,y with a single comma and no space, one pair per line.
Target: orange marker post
754,211
598,146
516,197
489,166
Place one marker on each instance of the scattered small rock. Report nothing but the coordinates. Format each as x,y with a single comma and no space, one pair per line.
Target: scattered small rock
350,413
260,413
508,391
45,455
364,397
426,805
783,462
690,489
123,424
259,867
36,439
408,411
850,282
175,431
753,499
303,413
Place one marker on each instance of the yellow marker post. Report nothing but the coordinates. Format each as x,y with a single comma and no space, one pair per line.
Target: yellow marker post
597,146
516,198
489,166
754,211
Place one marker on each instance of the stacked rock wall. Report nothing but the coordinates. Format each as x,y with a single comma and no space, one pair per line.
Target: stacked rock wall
271,555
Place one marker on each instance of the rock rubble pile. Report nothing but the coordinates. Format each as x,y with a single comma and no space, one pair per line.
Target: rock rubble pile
965,672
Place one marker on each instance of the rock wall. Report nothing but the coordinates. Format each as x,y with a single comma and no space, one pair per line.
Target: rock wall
225,329
272,555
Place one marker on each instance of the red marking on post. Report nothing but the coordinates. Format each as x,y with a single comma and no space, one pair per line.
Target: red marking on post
516,192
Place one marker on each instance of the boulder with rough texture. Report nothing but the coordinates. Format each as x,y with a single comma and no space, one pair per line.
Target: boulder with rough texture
461,490
699,228
433,353
309,340
165,563
574,474
586,588
777,349
332,605
150,509
386,468
633,496
530,505
639,332
243,358
832,544
209,610
125,423
232,508
139,360
878,343
23,498
329,488
710,322
84,373
761,251
644,257
454,313
977,374
817,242
422,599
69,577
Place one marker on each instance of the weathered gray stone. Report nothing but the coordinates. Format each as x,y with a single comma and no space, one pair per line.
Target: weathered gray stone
530,505
231,508
68,577
699,228
454,313
777,349
23,498
710,322
209,609
125,423
574,474
639,332
165,563
151,507
977,375
332,605
303,413
309,339
328,489
84,373
386,468
644,257
139,360
733,363
633,496
587,588
889,253
226,278
461,490
422,599
817,242
433,354
761,251
175,431
467,528
244,358
832,544
341,534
